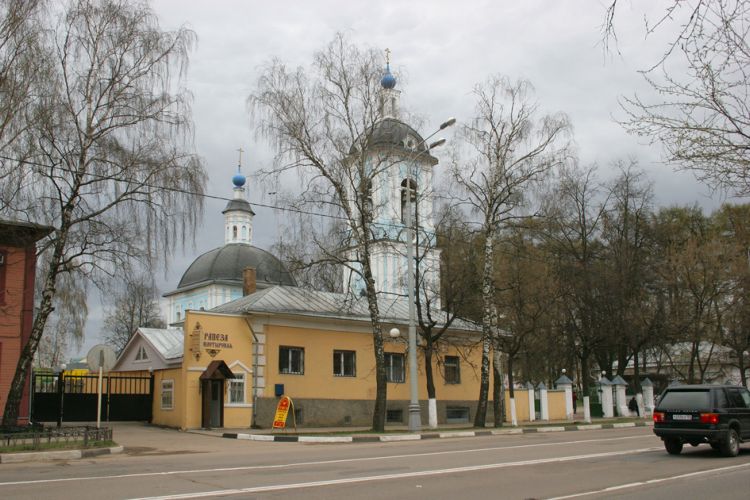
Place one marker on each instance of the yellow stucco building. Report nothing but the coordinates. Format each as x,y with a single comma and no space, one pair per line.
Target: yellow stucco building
227,367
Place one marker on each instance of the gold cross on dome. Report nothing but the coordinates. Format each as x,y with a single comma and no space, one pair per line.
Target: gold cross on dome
239,163
388,56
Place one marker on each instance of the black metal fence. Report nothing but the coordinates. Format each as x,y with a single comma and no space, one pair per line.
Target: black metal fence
73,398
55,438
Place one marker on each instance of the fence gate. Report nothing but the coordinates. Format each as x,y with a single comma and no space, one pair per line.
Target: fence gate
72,398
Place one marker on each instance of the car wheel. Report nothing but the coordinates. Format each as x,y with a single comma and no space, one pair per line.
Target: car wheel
673,446
730,447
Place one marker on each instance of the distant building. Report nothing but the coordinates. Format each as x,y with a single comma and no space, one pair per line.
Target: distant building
712,364
17,273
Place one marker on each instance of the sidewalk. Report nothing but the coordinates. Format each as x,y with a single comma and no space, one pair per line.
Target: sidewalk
401,433
137,438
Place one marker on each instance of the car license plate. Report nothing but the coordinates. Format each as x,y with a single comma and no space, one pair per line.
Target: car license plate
682,417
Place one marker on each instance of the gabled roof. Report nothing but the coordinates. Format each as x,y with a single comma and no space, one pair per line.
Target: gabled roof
168,342
311,303
216,369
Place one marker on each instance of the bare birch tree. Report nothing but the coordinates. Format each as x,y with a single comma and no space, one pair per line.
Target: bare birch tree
134,305
23,64
112,170
509,147
321,120
701,115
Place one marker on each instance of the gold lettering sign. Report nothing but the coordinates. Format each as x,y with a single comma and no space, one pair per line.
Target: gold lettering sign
213,343
195,341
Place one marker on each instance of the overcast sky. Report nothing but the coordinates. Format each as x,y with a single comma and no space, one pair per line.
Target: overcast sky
440,50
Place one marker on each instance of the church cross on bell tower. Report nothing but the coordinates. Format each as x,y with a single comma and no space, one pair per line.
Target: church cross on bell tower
238,215
389,96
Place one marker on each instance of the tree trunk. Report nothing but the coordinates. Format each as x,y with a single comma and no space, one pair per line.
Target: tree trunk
636,373
511,392
498,388
428,368
585,382
488,323
381,385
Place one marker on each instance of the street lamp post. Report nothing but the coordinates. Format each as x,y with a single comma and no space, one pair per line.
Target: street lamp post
415,416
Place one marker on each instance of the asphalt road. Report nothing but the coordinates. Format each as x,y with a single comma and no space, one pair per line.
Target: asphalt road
616,463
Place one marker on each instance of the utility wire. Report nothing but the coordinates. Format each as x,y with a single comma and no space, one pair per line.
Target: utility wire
206,195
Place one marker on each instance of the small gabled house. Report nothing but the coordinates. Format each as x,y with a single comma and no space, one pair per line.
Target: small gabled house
151,349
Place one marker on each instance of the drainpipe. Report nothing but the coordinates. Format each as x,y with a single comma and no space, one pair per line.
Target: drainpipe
253,424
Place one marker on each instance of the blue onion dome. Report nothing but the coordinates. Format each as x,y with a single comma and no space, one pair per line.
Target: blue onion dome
238,180
388,81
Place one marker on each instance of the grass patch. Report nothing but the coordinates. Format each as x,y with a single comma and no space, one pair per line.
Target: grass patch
71,445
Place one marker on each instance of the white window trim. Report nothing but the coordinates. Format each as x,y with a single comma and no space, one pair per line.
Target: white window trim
146,359
161,394
244,403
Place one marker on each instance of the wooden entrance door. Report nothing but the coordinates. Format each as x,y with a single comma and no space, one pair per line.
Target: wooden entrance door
213,403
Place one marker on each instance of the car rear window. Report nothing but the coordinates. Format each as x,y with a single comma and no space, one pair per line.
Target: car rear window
685,400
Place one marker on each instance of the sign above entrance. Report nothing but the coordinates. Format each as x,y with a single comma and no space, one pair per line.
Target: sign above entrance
213,343
210,342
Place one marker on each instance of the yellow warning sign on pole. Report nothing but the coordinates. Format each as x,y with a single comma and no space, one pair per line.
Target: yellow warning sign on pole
282,411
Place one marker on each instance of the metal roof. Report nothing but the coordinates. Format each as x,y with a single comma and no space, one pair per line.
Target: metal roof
311,303
227,263
618,380
238,205
167,341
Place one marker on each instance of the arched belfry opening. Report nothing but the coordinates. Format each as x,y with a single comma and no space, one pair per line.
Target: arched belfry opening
408,186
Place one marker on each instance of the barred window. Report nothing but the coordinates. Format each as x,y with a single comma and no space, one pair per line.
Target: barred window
344,363
452,370
291,360
394,367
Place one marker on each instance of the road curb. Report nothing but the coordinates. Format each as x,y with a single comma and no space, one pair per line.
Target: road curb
393,438
38,456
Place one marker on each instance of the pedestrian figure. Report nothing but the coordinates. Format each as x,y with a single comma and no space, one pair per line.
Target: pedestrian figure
575,401
633,406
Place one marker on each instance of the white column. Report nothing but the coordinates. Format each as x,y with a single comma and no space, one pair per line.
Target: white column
607,401
639,400
543,404
621,401
513,417
532,410
648,399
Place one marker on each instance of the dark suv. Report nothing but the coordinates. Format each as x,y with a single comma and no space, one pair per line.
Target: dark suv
715,414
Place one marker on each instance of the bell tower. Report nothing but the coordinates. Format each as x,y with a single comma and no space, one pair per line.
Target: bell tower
238,215
402,180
